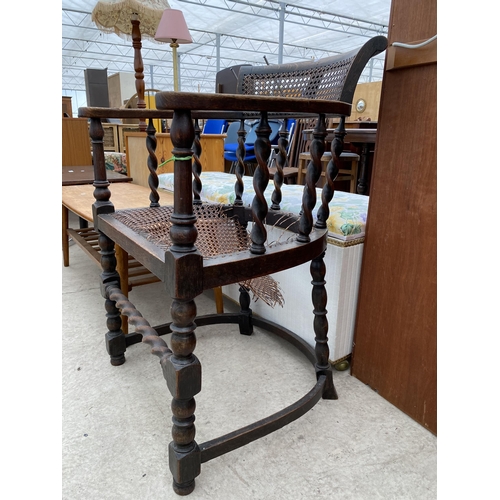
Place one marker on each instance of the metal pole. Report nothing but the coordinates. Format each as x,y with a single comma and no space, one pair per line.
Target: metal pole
281,32
174,46
217,51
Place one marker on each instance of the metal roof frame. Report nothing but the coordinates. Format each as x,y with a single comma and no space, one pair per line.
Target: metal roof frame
221,29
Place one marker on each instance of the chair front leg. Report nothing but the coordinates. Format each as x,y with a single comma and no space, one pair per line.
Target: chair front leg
115,338
182,371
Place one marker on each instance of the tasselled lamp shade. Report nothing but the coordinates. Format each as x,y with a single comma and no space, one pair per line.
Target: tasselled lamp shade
173,28
136,19
114,16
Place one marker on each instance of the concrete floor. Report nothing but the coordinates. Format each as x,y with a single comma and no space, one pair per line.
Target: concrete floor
116,420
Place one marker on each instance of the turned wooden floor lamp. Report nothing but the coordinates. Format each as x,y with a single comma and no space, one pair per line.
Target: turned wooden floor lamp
135,18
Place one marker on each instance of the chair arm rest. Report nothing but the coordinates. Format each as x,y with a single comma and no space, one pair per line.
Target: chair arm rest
249,105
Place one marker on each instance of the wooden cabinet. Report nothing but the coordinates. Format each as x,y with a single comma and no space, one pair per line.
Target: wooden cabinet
395,337
67,110
137,154
75,142
369,93
114,136
111,141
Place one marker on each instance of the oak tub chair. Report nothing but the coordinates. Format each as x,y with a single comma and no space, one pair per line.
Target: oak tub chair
195,246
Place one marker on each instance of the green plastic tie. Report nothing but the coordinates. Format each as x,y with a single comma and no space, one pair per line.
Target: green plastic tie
175,158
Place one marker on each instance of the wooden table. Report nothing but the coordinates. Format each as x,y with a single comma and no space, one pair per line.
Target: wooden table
72,176
79,199
362,137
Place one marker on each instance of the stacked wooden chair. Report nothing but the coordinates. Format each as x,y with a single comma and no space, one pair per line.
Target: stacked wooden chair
194,246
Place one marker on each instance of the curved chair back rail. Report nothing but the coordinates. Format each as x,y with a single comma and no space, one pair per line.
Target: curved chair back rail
331,78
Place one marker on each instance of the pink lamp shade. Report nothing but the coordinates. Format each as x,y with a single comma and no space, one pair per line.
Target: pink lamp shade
173,27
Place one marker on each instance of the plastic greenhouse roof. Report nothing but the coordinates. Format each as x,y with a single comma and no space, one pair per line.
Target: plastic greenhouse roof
225,33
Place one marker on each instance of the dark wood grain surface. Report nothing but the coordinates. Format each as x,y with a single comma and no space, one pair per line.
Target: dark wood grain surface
395,338
73,176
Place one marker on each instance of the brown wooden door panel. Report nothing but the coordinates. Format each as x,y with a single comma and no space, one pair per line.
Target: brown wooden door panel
395,339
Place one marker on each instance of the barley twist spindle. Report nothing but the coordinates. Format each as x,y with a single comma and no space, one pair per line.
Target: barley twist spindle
197,167
281,163
262,148
313,174
332,170
240,165
151,142
149,335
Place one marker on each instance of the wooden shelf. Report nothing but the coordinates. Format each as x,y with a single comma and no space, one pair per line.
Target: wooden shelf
402,57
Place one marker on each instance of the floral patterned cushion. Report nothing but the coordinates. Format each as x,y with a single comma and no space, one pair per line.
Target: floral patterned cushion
116,161
347,210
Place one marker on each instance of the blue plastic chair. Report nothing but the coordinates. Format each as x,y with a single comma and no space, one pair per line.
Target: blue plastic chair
290,127
290,173
231,142
213,126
